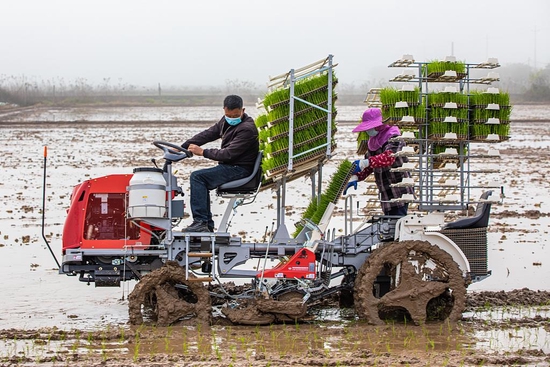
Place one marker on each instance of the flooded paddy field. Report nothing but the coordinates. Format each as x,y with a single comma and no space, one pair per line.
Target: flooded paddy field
52,319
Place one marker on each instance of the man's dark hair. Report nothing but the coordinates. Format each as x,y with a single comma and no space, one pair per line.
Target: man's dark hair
232,102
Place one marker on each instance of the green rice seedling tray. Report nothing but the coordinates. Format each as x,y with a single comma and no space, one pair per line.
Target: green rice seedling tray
297,163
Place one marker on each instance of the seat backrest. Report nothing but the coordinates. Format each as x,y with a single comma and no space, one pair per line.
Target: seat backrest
246,185
482,206
480,218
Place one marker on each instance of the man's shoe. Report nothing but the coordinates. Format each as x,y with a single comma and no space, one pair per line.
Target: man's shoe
197,226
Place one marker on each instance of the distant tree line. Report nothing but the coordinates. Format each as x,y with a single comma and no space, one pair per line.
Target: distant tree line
521,81
24,91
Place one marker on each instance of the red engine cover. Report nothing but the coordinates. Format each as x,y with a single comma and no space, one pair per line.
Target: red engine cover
301,265
96,218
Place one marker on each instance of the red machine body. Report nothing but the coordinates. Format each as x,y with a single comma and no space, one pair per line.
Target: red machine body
301,265
96,218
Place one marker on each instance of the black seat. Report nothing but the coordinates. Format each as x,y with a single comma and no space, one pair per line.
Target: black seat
480,218
244,186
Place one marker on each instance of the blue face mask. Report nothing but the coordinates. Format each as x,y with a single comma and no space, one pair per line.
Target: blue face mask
372,132
233,120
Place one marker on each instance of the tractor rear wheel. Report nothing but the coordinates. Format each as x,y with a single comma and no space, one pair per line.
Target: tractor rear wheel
168,294
410,279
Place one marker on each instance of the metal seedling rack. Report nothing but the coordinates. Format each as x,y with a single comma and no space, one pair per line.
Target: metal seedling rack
307,145
440,132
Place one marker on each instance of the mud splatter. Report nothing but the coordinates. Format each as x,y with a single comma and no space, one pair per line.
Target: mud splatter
531,214
157,291
409,289
262,311
517,297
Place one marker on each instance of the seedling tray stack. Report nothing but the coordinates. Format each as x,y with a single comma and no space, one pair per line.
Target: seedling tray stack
439,118
296,133
402,107
490,115
448,115
448,70
306,104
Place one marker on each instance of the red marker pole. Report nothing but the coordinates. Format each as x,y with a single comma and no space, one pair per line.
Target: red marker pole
44,207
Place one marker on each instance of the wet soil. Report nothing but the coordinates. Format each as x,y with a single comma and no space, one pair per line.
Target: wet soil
515,298
49,320
345,342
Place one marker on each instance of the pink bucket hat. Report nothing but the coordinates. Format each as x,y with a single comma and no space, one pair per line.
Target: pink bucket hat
372,118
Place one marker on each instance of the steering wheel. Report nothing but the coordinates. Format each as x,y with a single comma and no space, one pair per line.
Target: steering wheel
172,152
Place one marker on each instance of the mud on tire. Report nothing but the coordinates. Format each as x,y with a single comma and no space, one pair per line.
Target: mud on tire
412,279
157,292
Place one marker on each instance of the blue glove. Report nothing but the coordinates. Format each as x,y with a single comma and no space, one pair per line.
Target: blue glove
360,165
352,182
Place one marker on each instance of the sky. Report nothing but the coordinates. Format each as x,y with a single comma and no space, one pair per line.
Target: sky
208,42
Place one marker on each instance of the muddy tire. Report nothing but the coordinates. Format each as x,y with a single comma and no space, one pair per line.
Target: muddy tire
156,294
410,279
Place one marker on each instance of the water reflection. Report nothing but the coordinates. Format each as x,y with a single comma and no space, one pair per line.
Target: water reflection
511,329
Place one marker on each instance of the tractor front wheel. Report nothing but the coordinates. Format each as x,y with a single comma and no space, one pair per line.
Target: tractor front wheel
169,294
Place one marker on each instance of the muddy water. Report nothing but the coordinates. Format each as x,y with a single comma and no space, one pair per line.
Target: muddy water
518,328
34,295
347,343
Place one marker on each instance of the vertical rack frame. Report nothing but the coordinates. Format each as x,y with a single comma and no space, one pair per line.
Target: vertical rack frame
427,186
305,162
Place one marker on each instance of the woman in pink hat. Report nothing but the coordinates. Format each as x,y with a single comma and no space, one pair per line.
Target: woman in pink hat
380,160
